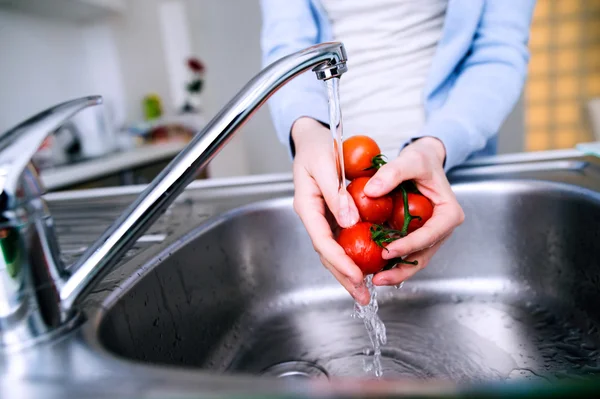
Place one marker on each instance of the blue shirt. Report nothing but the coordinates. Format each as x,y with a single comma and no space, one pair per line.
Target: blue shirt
476,76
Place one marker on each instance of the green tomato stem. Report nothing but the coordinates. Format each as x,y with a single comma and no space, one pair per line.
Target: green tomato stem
377,162
383,235
407,216
396,261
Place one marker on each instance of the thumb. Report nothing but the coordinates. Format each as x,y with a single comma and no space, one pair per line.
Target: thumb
387,178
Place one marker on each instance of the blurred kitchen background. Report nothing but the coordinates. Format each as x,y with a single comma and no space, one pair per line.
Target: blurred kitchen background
165,67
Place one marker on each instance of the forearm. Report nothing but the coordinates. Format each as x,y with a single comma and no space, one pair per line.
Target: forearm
297,101
289,27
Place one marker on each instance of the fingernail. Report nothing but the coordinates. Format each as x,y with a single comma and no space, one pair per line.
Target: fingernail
355,295
388,254
345,218
348,217
383,281
344,202
356,284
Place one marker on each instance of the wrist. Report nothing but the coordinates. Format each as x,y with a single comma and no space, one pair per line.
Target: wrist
308,130
433,146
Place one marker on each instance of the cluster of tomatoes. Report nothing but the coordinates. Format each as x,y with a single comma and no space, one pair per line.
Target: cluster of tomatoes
383,219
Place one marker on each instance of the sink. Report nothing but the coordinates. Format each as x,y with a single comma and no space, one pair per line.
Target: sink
513,295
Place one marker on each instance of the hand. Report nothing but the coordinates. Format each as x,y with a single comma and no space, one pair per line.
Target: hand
316,189
422,162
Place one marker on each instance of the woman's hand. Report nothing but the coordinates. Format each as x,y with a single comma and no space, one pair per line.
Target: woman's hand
316,191
422,161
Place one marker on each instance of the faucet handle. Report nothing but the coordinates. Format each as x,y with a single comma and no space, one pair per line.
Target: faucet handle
18,145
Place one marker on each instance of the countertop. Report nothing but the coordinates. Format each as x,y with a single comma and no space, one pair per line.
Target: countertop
69,175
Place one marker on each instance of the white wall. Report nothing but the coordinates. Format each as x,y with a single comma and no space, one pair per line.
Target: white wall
41,64
226,35
141,55
46,60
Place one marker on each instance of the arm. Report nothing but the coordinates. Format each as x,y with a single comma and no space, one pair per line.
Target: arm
489,82
289,26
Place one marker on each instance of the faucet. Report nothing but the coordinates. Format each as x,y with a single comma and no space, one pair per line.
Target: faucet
38,293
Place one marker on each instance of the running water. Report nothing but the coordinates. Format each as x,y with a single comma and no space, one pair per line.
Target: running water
337,132
374,325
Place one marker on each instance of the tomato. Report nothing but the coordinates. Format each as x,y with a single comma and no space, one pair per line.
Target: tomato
360,247
373,210
359,152
418,205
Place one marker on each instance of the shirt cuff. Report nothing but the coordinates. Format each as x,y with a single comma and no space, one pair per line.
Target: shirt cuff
457,141
313,106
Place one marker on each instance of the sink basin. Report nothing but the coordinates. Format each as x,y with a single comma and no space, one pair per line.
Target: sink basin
512,295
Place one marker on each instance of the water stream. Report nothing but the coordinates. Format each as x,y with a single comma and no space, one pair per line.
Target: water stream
368,313
337,132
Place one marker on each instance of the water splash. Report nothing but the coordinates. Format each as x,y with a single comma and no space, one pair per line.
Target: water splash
374,326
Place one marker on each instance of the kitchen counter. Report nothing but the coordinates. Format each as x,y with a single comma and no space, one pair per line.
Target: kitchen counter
71,175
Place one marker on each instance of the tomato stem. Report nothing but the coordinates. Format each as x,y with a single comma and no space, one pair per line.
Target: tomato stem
407,216
381,235
411,187
396,261
377,162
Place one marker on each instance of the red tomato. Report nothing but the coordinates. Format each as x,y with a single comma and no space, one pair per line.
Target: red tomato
361,248
418,205
359,152
373,210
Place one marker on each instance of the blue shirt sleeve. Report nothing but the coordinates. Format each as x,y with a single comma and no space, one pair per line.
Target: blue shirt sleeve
289,26
488,82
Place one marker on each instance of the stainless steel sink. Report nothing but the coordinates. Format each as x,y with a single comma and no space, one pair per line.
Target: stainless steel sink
513,295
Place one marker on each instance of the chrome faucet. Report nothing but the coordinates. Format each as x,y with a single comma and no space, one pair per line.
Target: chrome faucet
38,294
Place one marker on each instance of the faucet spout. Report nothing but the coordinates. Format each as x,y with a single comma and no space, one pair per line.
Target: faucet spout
38,295
327,60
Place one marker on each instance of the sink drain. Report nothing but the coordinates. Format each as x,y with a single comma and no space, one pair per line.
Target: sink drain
299,370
